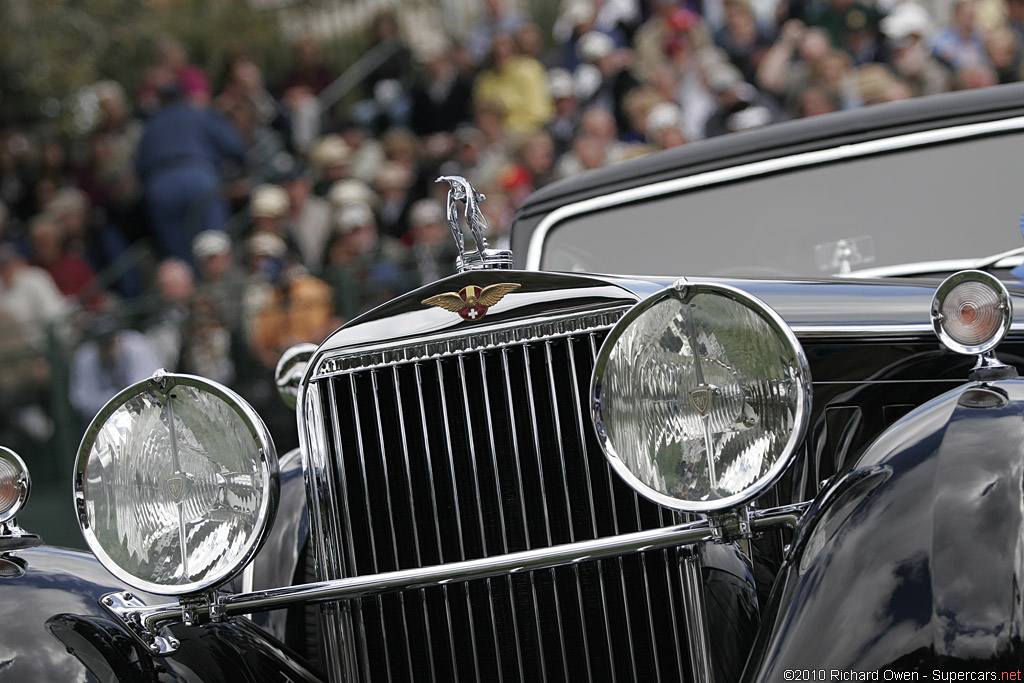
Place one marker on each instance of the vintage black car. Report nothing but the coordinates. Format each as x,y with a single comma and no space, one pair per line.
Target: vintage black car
782,448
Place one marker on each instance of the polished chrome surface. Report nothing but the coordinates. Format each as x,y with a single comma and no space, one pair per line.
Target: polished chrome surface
644,382
535,250
289,371
482,258
218,477
147,622
15,487
696,617
971,312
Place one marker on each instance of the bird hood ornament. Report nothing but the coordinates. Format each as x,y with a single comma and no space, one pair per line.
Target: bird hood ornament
483,257
471,302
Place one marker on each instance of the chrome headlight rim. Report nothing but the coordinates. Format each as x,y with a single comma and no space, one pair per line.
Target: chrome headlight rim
684,291
942,293
163,383
24,483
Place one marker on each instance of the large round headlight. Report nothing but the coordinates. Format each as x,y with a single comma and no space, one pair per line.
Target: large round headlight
701,394
176,484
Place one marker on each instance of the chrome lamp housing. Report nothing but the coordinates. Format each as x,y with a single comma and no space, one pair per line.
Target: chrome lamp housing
971,313
176,484
700,396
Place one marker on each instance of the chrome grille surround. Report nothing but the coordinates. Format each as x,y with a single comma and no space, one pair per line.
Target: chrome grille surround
504,345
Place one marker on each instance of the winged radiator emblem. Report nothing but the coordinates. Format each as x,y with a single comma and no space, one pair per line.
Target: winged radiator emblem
471,302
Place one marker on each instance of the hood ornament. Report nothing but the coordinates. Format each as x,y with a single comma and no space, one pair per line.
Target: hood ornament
481,258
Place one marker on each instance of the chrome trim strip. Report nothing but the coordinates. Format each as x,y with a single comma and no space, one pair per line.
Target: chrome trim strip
391,512
323,532
501,498
437,518
412,511
544,499
951,265
578,412
696,617
447,344
560,440
332,565
539,236
610,478
479,508
504,351
369,517
147,621
458,511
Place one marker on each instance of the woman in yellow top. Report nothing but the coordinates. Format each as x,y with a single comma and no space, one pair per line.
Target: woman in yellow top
516,82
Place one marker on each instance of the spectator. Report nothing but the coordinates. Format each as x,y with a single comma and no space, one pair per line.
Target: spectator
496,19
744,41
220,281
308,218
852,26
207,347
298,310
107,361
433,251
29,296
908,28
363,268
71,273
740,105
268,207
179,161
614,78
515,82
441,96
330,159
394,187
960,44
165,325
1003,47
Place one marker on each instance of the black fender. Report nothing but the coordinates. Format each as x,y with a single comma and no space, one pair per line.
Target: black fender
52,628
282,556
914,559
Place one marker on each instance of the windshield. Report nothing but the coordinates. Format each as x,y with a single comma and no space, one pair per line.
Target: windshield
951,201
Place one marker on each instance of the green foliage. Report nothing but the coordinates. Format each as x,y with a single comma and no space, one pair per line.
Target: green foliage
50,49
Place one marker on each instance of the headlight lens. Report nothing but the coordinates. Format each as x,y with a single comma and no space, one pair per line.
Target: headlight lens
971,312
176,484
701,394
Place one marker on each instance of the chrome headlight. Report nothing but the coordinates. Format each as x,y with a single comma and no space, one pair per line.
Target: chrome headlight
971,312
15,484
701,394
176,484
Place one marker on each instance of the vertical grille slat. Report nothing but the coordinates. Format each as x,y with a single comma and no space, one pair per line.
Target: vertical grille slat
377,602
493,444
559,633
534,603
581,400
445,418
472,451
431,494
348,558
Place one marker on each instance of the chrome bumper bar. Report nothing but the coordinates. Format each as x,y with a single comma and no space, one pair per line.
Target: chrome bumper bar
148,624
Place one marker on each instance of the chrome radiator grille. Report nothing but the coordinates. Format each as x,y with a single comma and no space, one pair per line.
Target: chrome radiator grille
478,449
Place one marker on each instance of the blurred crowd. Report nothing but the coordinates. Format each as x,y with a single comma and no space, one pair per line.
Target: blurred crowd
208,221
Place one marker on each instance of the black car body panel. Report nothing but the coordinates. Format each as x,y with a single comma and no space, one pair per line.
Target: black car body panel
53,629
912,560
